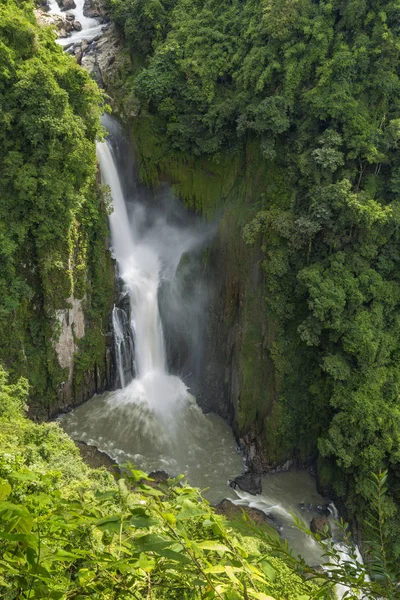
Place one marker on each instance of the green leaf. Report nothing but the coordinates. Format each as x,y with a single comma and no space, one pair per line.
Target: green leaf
112,523
61,554
24,525
143,522
268,570
29,539
5,490
152,543
214,546
175,556
222,569
109,495
260,595
25,476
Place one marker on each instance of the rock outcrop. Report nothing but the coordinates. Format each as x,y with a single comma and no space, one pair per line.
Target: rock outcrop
71,321
93,9
66,4
321,526
248,482
232,512
61,25
96,459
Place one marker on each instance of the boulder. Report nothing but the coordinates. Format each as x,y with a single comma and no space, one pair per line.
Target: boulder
323,509
77,26
158,480
248,482
78,54
159,476
321,526
92,9
232,512
67,4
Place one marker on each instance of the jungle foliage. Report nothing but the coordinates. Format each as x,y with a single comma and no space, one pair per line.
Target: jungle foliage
317,84
70,532
52,224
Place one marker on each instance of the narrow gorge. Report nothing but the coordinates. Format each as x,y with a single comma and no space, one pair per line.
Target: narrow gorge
199,276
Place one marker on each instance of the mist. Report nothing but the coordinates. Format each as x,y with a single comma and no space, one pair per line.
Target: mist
176,238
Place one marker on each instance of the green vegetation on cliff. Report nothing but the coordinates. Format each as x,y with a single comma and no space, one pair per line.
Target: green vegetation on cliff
53,225
316,85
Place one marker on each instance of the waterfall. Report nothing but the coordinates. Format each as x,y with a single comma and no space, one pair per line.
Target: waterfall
140,269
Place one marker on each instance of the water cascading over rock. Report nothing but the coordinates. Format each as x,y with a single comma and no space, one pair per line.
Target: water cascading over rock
140,269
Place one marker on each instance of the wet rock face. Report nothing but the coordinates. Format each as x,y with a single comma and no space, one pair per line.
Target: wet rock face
248,482
71,323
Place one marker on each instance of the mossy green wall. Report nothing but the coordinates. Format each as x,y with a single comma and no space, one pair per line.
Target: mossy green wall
82,269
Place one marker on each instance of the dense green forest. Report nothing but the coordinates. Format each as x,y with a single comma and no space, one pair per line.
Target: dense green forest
52,222
308,92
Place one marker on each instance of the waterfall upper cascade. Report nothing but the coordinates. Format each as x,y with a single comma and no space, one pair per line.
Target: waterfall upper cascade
90,27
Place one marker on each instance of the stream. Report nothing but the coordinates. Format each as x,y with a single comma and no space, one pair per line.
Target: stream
153,420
